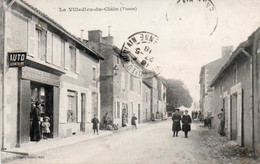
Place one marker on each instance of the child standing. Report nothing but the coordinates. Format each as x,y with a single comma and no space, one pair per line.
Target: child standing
46,127
133,123
95,122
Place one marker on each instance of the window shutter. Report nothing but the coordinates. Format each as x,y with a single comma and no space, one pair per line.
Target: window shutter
77,61
49,47
79,107
67,56
32,38
89,107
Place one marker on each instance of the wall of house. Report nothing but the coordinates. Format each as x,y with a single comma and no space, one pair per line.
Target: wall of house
224,85
81,83
20,34
146,108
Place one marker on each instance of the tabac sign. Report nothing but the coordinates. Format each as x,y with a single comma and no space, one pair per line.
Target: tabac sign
17,59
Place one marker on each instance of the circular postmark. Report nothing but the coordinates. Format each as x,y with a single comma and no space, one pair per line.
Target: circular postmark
138,49
198,16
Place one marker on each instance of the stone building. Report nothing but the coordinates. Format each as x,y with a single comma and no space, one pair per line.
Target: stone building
121,93
147,108
207,73
236,89
153,82
60,72
162,99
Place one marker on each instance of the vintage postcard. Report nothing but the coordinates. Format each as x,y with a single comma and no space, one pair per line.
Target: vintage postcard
130,81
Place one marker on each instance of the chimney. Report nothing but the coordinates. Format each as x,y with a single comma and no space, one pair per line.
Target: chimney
81,35
109,40
226,51
95,36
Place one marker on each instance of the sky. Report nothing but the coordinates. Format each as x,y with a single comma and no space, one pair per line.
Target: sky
187,39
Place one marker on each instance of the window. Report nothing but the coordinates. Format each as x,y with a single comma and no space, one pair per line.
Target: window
131,83
146,96
57,50
94,74
72,106
41,43
118,109
73,59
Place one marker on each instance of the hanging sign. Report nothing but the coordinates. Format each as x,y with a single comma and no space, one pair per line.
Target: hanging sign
17,59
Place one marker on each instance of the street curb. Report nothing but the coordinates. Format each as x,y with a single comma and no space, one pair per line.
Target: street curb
10,155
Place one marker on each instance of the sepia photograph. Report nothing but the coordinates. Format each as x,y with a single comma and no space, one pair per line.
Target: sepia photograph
130,81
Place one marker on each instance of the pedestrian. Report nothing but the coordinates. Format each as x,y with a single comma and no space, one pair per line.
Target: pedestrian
133,122
176,122
95,122
186,121
105,121
36,129
46,127
221,116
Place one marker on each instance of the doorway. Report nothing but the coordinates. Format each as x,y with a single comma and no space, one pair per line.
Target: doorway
44,95
234,117
83,112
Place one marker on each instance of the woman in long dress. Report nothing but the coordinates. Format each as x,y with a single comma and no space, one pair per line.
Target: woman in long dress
186,121
176,123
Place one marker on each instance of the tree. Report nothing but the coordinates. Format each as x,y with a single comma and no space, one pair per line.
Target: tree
177,94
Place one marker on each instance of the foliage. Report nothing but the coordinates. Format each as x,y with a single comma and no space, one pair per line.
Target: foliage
177,94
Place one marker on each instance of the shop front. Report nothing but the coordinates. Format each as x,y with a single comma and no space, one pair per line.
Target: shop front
42,88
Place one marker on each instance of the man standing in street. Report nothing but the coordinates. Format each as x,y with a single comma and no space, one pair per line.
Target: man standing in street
221,116
95,122
105,121
133,121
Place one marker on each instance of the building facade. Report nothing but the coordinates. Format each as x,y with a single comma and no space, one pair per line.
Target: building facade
121,93
207,73
147,108
55,74
237,92
162,99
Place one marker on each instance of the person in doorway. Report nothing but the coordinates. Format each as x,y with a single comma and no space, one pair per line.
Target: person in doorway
176,122
221,116
46,127
133,122
105,121
95,123
186,121
36,115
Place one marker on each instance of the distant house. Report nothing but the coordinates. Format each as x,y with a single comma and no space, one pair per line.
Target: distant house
147,108
236,89
207,73
162,98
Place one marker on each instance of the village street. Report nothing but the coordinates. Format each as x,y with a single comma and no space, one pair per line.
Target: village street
151,143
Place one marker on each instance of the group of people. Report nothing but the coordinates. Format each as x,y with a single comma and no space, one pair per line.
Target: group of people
177,120
95,122
39,129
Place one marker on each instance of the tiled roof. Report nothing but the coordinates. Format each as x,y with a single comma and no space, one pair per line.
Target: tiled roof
241,46
58,26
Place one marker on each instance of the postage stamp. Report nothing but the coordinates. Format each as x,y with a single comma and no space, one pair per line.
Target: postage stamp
139,48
